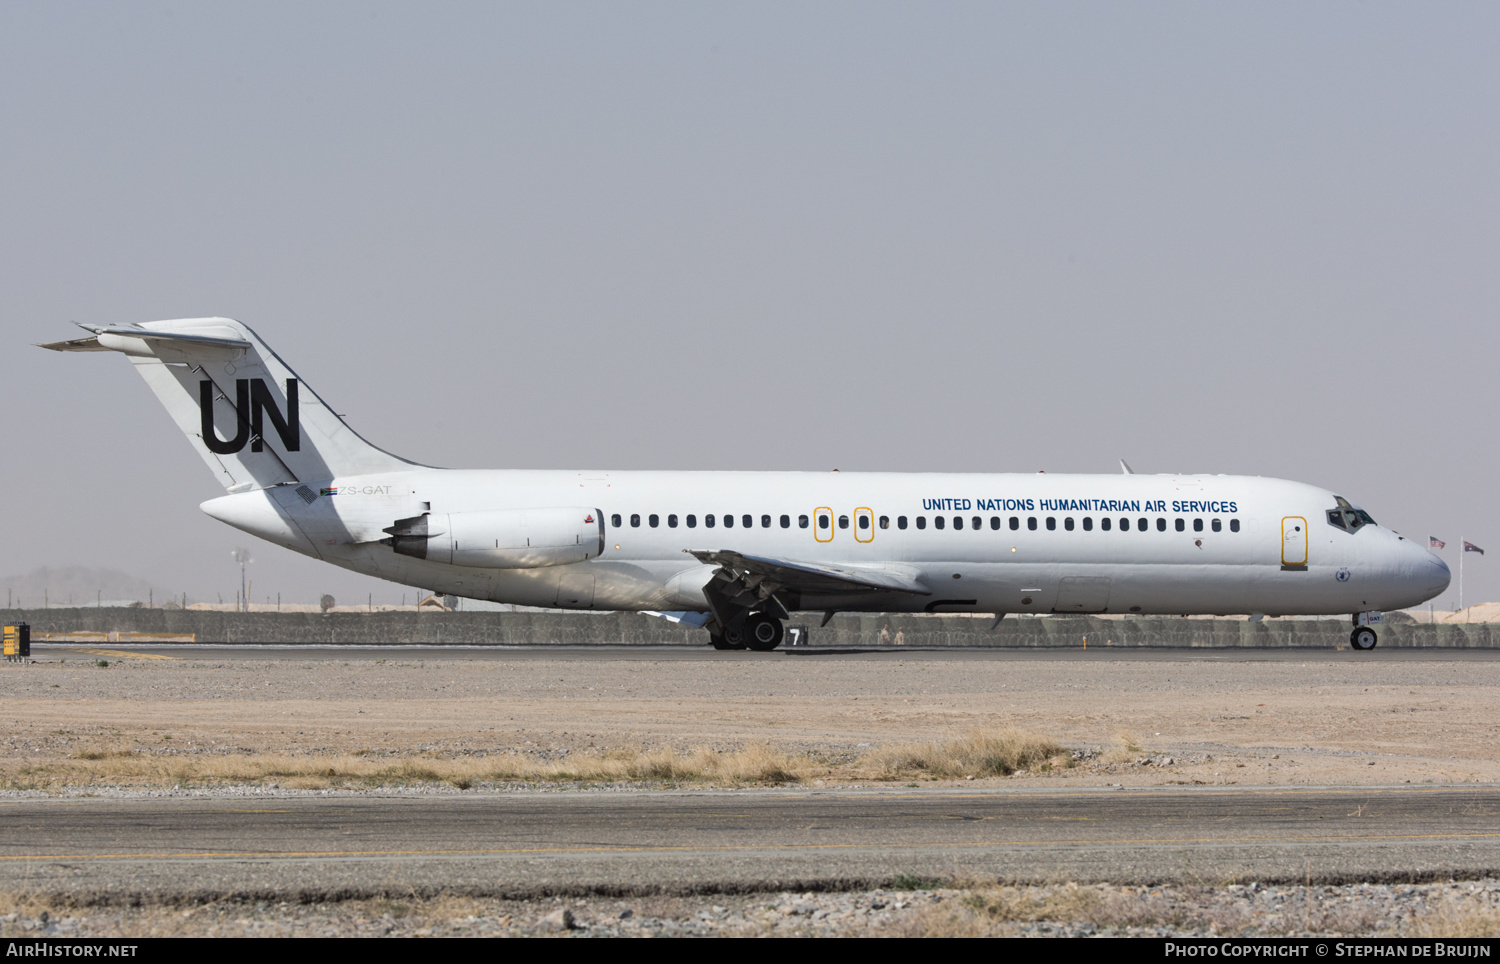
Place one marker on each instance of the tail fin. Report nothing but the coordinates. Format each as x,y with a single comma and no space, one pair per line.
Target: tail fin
251,418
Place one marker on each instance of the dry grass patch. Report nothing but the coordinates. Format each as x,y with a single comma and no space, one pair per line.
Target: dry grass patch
1456,917
1125,748
980,754
756,764
1000,910
25,904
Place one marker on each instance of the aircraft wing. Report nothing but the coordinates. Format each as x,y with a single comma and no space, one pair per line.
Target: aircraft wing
812,576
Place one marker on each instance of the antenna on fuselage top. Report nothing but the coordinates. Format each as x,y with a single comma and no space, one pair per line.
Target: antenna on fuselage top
1125,467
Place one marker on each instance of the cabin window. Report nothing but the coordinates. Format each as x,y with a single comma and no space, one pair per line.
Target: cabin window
1217,525
1161,525
749,522
708,521
653,520
671,522
901,522
1031,523
692,521
823,521
765,522
1104,523
885,522
843,522
921,522
1234,525
614,520
1088,523
1015,522
802,522
1197,525
729,522
958,522
1181,526
938,522
978,523
863,521
1143,525
1052,523
994,522
635,520
1068,523
786,522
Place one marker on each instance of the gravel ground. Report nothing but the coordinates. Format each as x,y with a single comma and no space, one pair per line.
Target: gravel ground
1263,723
1455,909
1134,723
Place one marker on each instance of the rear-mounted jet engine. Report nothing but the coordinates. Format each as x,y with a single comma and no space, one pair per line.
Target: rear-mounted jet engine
501,539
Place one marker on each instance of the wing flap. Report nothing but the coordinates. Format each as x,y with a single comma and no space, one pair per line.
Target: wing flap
813,576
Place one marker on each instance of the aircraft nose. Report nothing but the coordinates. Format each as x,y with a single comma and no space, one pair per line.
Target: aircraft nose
1437,575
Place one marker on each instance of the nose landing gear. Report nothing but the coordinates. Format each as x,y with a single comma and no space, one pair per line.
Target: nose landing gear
1363,636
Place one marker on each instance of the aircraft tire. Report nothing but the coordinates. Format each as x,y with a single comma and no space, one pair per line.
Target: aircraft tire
1363,638
764,632
727,640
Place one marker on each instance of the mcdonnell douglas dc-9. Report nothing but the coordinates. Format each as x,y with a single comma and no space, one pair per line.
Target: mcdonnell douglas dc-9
737,552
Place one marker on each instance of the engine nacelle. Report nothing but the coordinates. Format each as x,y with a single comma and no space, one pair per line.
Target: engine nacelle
502,538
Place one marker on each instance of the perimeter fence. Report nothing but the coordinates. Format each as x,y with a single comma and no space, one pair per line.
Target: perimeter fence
130,624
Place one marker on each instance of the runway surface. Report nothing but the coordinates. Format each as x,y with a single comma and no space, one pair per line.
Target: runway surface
705,653
613,842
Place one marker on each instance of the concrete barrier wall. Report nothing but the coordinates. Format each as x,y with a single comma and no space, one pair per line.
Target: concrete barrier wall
634,629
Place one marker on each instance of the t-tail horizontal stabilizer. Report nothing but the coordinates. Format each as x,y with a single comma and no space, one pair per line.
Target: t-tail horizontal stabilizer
246,413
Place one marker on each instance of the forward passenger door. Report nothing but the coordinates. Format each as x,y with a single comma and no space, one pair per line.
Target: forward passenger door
1294,542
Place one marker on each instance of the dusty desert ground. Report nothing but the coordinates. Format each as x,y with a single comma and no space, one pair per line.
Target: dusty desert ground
71,723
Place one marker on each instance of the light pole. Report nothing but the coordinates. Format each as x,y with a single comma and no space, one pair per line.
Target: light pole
242,556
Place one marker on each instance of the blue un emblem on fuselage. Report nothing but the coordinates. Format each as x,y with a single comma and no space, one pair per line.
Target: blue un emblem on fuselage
1342,575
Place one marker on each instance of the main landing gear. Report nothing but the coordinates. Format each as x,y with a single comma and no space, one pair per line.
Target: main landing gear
761,632
744,609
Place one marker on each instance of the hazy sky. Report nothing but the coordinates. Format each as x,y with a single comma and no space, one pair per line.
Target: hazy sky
1253,238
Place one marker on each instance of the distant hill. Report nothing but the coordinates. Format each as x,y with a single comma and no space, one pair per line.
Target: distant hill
75,586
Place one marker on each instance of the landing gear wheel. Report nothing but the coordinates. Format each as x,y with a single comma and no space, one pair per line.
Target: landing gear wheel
1363,638
763,632
727,640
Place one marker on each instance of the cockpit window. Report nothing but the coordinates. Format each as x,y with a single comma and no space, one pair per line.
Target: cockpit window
1348,517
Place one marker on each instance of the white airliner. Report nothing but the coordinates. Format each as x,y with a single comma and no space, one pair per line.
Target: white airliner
737,552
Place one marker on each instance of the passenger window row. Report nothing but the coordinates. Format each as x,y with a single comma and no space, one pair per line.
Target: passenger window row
1105,524
938,522
709,521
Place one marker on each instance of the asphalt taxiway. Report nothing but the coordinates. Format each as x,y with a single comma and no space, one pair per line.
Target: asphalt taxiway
523,844
376,650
